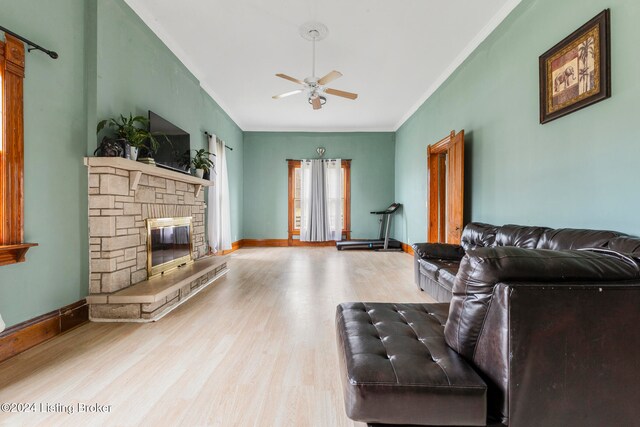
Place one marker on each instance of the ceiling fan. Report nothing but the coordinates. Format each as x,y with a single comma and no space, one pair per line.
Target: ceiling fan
313,86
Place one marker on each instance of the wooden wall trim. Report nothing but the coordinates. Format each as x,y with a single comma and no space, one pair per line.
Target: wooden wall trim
23,336
265,242
407,248
297,242
273,243
234,247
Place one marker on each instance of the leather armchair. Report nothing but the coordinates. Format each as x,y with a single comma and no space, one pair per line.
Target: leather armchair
548,319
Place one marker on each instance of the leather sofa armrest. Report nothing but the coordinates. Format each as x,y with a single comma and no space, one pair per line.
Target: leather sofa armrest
483,268
543,342
438,251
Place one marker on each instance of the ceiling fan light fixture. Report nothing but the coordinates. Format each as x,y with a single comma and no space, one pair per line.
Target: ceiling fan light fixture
323,100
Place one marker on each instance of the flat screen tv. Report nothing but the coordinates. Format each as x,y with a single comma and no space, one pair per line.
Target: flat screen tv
169,153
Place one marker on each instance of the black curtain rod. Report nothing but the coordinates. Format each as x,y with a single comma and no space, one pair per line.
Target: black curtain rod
32,45
208,134
299,160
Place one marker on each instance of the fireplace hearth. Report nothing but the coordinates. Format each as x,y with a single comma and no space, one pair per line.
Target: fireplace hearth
144,222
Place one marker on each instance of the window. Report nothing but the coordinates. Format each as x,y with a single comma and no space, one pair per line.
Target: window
12,246
295,195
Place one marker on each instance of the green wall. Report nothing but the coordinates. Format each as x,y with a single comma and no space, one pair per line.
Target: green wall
110,62
56,272
578,171
266,180
136,72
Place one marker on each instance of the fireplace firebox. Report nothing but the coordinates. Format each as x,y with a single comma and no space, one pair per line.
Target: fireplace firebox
169,244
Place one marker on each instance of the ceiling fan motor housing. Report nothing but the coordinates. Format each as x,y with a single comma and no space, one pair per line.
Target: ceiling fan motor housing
312,82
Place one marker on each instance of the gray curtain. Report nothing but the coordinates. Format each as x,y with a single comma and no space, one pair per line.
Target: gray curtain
314,209
320,202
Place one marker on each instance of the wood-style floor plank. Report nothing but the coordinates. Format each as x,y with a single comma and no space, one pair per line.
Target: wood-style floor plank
256,348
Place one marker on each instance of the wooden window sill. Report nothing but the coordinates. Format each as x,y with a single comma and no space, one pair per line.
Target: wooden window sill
11,254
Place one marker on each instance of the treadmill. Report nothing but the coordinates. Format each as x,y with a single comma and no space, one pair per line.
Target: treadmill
384,243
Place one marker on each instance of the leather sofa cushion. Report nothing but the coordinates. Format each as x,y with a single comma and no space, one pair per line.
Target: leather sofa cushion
438,251
429,268
519,236
477,234
626,245
432,267
481,269
447,276
397,368
568,238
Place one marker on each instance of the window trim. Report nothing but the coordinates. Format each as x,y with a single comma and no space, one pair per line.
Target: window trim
12,61
346,232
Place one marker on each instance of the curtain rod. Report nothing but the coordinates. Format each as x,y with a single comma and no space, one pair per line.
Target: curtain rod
299,160
32,45
210,135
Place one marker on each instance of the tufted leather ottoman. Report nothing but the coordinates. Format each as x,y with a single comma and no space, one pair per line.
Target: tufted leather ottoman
397,369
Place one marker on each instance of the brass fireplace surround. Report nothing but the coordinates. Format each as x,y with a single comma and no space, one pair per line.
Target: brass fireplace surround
160,223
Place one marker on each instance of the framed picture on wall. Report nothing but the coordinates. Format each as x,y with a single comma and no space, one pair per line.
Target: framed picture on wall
576,72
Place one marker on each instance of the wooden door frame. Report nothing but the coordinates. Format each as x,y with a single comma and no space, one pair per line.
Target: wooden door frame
455,189
436,221
293,164
346,232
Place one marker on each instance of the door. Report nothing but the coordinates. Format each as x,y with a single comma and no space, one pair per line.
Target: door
445,198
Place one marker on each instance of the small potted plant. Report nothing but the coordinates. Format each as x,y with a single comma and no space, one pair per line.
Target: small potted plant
201,162
132,131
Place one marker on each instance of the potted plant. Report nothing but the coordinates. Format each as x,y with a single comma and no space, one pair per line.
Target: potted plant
132,131
201,162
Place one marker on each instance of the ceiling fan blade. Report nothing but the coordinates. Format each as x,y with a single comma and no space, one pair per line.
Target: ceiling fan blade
341,93
330,77
317,104
291,79
284,95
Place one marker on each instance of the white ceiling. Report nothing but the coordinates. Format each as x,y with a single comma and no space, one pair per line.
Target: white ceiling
393,53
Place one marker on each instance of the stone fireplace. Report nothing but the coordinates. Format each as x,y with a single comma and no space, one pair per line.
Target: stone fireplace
127,201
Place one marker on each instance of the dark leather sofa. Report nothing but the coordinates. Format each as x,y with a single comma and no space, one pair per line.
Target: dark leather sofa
543,329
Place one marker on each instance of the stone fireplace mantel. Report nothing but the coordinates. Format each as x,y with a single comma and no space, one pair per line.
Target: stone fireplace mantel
123,195
136,169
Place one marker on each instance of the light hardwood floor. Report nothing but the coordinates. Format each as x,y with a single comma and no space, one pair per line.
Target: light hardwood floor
256,348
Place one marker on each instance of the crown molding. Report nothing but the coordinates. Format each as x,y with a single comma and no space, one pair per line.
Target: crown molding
175,48
496,20
321,130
